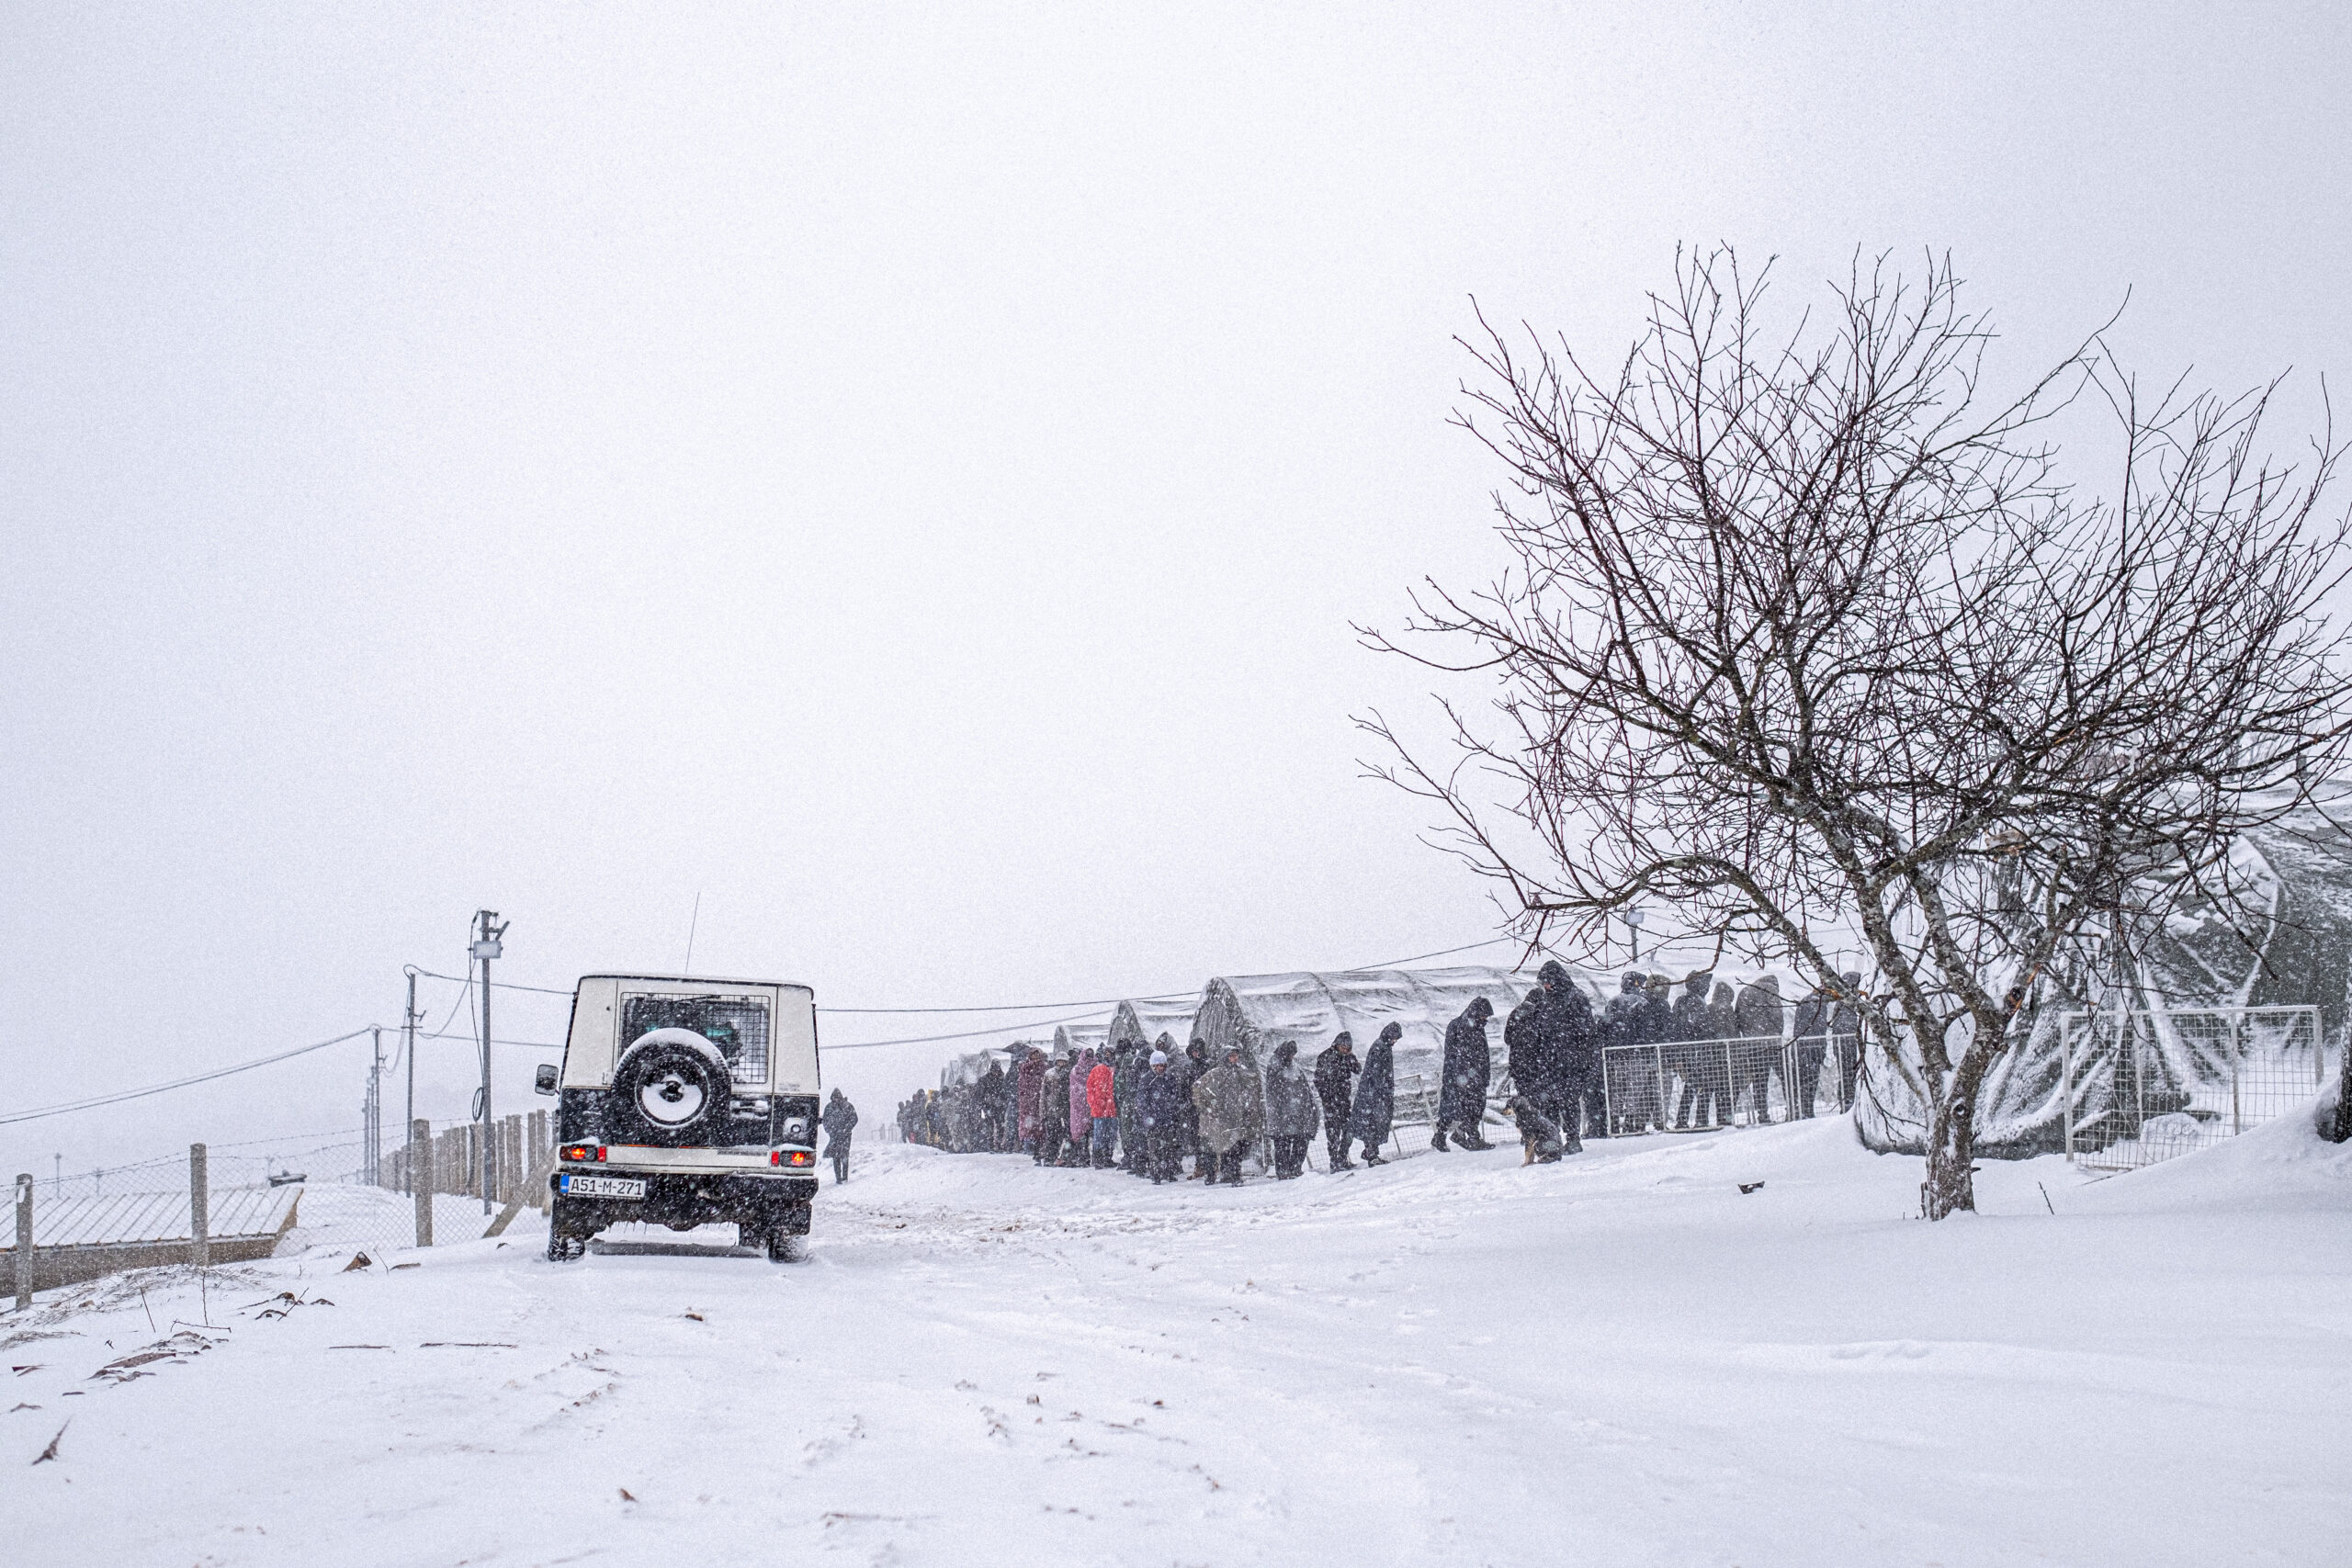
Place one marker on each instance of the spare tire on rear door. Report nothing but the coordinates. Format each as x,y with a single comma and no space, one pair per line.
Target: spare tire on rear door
671,1085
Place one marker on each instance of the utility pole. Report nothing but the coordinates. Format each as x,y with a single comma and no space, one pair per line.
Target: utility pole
485,948
375,1106
408,1025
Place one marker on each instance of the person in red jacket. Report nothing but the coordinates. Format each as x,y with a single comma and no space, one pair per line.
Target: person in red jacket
1102,1105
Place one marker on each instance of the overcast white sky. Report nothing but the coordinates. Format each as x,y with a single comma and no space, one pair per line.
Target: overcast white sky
906,474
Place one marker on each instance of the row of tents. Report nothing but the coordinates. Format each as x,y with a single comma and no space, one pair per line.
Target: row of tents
2205,1009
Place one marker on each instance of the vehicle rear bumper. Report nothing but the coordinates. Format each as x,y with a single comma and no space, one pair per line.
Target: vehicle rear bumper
686,1198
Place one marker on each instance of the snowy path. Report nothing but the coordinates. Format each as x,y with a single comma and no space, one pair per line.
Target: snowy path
1619,1359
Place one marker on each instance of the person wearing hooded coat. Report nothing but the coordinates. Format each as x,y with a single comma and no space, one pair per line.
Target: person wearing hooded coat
1466,1070
1102,1108
1291,1117
1193,1066
1159,1100
840,1117
1053,1119
1697,1056
1029,1085
1846,1036
1335,1072
1375,1103
1553,1045
1755,1020
1130,1065
1227,1098
991,1109
1809,1043
1082,1122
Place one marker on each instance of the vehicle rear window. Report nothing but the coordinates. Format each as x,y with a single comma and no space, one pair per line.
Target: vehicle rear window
736,1025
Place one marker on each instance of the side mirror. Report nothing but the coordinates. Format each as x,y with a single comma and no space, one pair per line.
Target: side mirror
545,1083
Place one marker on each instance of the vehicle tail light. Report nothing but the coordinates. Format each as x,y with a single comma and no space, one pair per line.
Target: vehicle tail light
583,1151
792,1156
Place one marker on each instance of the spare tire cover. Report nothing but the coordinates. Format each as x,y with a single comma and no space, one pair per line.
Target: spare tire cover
670,1085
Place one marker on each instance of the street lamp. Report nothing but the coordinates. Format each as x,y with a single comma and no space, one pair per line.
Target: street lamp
1634,931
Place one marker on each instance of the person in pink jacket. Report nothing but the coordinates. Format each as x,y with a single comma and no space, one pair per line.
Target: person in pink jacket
1102,1105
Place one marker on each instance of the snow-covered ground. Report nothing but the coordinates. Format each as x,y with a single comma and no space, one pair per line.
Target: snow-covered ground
1618,1359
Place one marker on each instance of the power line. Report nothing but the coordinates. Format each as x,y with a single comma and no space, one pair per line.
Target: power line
96,1100
968,1034
1018,1007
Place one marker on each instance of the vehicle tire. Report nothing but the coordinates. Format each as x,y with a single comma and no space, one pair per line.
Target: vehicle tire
784,1248
567,1242
671,1087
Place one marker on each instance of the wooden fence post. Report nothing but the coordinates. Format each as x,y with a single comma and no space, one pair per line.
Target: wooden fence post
200,1208
510,1160
420,1141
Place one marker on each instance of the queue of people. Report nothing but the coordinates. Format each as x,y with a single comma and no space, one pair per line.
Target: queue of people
1152,1110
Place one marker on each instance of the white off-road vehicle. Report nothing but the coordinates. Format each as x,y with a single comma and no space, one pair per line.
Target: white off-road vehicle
686,1102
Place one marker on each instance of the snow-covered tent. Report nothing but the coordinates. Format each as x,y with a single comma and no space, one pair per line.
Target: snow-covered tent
2298,873
1146,1021
1259,1012
1071,1038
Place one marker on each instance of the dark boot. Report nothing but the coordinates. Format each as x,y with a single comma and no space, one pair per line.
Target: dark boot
1437,1139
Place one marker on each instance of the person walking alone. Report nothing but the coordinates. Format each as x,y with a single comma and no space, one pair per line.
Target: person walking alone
1468,1068
1335,1072
840,1117
1375,1106
1290,1119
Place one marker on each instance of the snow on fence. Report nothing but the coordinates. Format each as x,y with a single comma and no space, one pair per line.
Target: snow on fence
251,1211
2173,1080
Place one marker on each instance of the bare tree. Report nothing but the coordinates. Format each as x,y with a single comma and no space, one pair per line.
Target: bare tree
1804,636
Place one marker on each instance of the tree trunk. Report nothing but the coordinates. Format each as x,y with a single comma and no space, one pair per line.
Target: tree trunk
1952,1151
2342,1132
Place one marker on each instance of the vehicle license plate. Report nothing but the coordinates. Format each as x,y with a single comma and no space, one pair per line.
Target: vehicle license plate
603,1186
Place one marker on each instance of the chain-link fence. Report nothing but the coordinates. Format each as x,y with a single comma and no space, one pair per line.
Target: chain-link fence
1689,1084
2141,1086
334,1194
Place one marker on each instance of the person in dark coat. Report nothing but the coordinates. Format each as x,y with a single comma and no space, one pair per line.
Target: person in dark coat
1159,1115
1053,1120
1846,1036
840,1117
1621,1029
990,1108
1699,1060
1376,1100
1291,1118
1029,1088
1466,1069
1755,1020
1335,1072
1132,1063
1553,1044
935,1118
1194,1068
1809,1043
